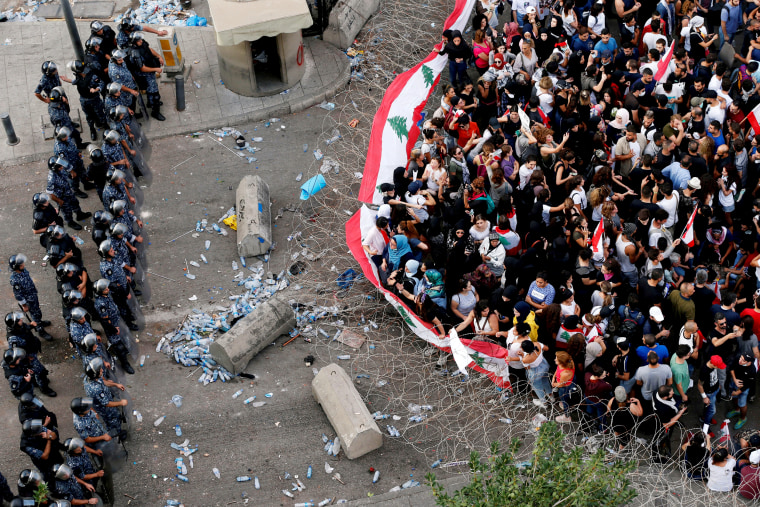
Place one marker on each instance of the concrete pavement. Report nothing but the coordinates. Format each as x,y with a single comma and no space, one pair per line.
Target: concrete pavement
212,105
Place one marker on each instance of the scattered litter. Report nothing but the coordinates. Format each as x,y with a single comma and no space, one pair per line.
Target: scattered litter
193,298
327,106
328,164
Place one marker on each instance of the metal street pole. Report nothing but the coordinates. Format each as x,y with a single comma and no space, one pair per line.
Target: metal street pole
68,14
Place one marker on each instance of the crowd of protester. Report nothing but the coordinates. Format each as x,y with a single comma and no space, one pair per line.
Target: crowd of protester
591,203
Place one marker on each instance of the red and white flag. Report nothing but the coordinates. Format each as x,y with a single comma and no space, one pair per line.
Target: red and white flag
596,241
484,357
753,118
688,233
663,66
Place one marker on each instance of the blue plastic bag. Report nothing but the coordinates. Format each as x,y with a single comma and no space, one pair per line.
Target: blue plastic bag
312,186
192,21
202,22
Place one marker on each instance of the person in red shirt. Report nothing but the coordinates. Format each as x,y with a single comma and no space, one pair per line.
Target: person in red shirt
754,313
467,132
749,487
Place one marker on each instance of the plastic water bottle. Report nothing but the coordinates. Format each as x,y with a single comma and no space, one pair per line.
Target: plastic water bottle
158,421
305,147
287,493
216,473
376,477
208,244
299,177
505,420
142,360
234,266
344,356
137,415
249,400
237,393
256,483
242,261
308,472
435,463
178,430
325,502
182,478
243,478
203,258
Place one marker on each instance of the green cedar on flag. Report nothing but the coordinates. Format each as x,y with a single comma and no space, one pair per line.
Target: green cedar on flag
427,74
398,123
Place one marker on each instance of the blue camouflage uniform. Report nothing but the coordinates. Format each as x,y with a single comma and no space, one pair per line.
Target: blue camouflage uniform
129,220
109,317
68,149
80,464
47,83
123,255
58,184
59,115
122,39
120,74
120,127
89,425
113,193
79,331
69,490
113,270
112,102
112,152
102,396
91,102
25,292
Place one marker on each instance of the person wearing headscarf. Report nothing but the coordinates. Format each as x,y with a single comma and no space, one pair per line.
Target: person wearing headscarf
512,39
406,284
458,52
432,285
523,313
544,45
398,253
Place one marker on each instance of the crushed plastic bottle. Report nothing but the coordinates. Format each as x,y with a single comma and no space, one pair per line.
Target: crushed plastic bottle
137,415
208,244
234,266
335,136
216,473
327,106
158,421
436,463
305,147
376,477
299,177
344,357
203,258
243,478
318,154
178,430
182,478
237,393
257,139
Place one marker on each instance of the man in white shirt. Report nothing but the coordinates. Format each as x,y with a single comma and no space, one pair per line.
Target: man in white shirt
526,171
651,38
374,243
669,203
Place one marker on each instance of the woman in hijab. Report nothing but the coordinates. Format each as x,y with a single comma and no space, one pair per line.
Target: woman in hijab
399,252
460,247
434,288
458,53
512,39
544,45
523,313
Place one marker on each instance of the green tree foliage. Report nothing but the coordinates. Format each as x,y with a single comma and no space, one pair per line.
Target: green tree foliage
41,493
551,477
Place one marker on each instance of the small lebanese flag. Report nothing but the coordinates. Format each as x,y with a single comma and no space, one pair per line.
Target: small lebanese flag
664,64
688,233
724,434
596,240
753,118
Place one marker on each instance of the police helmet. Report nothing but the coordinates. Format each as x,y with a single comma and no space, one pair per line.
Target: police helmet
111,136
97,157
134,37
13,318
126,24
58,162
80,406
118,206
104,248
32,427
56,252
62,472
89,343
16,261
78,313
99,235
29,399
40,199
113,115
92,43
72,296
119,54
100,286
13,355
96,26
113,88
58,231
116,176
62,133
93,368
73,444
118,230
102,217
76,66
29,476
49,68
57,94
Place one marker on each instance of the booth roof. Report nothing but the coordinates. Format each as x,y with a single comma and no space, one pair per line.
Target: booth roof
236,22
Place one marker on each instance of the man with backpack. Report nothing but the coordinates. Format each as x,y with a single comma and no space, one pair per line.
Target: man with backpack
730,21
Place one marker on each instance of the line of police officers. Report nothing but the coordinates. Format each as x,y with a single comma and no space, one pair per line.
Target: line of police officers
75,469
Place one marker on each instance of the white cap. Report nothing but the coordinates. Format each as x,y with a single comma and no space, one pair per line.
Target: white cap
695,183
530,10
656,314
754,457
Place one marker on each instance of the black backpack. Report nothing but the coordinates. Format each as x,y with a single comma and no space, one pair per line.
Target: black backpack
629,328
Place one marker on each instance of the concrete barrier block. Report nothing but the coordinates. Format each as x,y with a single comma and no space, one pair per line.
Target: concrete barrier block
346,19
252,333
349,416
254,216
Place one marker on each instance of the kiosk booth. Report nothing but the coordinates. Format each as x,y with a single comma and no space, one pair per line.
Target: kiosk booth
259,44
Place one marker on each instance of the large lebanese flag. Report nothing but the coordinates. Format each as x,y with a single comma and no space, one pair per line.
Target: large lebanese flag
484,357
688,233
753,118
664,64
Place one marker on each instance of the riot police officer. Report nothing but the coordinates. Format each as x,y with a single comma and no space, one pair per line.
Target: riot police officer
113,151
121,214
97,388
90,85
70,299
91,348
87,423
45,215
118,280
59,109
118,189
96,61
106,34
110,319
101,226
128,27
123,82
79,327
57,236
25,291
70,276
41,444
17,372
145,63
31,345
31,407
67,488
65,148
28,482
59,189
78,459
116,122
49,80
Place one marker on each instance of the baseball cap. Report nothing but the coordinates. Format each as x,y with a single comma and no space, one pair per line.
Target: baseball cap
697,101
414,187
749,358
754,457
717,361
754,441
695,183
493,235
657,315
621,396
606,53
530,10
